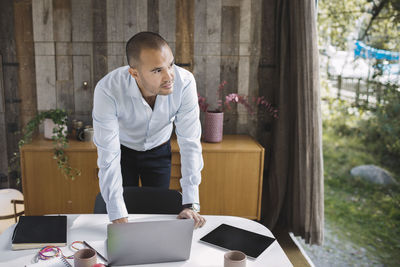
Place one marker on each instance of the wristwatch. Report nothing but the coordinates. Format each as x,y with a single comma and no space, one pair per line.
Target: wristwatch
193,206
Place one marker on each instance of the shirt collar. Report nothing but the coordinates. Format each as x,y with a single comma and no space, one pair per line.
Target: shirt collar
132,88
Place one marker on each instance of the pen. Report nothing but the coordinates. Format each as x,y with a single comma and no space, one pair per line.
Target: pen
101,256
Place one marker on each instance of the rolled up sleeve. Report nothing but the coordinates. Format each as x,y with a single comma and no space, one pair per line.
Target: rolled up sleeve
188,131
106,139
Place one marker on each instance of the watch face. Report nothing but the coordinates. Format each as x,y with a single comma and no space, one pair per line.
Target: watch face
196,207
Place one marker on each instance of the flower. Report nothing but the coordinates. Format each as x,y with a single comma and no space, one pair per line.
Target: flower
240,99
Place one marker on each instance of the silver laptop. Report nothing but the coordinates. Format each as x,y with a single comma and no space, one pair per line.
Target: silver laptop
149,242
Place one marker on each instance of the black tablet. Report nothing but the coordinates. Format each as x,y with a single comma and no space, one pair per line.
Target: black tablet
233,238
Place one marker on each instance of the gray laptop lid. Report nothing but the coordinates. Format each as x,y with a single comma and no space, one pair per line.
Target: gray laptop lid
149,242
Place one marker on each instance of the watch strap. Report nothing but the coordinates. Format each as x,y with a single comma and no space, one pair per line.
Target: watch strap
192,207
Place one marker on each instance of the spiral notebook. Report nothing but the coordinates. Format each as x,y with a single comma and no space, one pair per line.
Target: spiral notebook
55,262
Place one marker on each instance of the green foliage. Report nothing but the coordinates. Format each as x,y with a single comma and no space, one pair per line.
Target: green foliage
334,112
60,141
384,30
58,116
339,21
377,128
381,132
366,214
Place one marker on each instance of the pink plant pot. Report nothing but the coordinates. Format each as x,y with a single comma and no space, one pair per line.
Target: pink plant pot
213,127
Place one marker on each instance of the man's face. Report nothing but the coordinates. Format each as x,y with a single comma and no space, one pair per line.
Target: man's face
154,73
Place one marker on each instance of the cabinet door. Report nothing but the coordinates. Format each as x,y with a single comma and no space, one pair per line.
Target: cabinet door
47,191
83,189
231,184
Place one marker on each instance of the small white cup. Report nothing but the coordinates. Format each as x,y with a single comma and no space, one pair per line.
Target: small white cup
235,258
88,134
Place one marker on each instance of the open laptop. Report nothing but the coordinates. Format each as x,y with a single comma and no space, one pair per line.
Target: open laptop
149,242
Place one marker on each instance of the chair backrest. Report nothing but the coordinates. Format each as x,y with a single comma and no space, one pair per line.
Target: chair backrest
146,200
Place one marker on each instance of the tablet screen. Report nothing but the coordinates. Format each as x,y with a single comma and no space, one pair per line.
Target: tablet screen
233,238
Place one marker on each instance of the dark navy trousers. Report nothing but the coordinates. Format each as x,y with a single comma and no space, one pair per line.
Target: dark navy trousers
152,166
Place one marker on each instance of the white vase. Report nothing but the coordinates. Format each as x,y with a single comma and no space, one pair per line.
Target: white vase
48,129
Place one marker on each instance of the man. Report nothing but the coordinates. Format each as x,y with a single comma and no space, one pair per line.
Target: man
134,108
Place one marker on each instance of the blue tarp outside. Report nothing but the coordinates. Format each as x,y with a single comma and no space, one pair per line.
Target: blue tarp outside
365,51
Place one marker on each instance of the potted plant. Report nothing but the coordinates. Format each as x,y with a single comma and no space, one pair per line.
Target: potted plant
213,120
55,127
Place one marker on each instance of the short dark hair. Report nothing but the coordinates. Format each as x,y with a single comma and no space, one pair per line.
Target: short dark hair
141,41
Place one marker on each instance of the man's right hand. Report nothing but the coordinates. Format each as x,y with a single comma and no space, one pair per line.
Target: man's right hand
121,220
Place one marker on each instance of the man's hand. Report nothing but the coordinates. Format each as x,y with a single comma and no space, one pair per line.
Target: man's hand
121,220
199,221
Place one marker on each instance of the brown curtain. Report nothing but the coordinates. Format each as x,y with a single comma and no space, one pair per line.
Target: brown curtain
294,195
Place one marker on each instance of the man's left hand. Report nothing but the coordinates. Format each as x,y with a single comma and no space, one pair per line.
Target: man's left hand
199,221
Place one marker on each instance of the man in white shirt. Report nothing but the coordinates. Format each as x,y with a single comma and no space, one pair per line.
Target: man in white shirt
134,109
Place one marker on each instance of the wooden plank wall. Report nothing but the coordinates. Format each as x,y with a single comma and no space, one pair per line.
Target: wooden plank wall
64,44
184,33
63,55
3,133
230,33
80,41
11,102
26,59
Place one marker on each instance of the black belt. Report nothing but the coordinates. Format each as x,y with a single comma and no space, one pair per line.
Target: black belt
154,148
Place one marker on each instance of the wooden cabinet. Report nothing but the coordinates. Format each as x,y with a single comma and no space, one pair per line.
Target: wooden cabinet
231,177
45,188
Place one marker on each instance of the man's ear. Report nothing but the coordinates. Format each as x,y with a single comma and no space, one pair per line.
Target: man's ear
133,72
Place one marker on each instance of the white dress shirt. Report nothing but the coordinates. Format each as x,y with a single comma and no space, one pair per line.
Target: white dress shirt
122,116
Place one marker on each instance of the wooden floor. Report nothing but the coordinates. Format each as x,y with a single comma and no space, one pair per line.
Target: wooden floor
291,250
